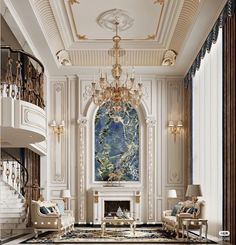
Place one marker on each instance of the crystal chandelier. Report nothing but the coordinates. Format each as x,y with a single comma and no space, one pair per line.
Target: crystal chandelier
117,92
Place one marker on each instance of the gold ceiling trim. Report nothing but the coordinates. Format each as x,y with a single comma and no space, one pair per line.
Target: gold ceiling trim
161,2
73,1
150,37
127,39
82,37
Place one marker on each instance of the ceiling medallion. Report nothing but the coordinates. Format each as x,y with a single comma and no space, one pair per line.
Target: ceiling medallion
108,19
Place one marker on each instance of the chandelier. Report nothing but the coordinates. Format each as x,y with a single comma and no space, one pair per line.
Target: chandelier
117,92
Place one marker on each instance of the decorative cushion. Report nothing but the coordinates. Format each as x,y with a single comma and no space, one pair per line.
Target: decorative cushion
176,209
44,210
60,208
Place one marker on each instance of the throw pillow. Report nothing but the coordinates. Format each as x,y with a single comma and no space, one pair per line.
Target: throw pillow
61,207
176,209
44,210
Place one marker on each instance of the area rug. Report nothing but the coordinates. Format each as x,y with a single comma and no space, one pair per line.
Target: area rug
114,235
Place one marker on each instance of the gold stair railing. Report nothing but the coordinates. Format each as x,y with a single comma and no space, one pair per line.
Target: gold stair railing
22,76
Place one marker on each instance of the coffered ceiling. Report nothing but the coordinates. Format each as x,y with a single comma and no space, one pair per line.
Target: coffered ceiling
79,31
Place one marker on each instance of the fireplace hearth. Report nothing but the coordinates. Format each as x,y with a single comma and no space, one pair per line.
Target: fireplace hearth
111,207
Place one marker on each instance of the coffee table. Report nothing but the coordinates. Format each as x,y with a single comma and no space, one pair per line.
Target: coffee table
118,221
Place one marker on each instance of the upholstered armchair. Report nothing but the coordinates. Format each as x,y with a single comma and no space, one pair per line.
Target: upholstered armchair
46,216
172,219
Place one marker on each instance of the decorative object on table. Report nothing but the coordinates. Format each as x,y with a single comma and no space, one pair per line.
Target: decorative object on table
65,194
151,235
119,212
194,191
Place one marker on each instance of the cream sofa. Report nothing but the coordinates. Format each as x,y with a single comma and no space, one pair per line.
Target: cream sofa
174,222
53,221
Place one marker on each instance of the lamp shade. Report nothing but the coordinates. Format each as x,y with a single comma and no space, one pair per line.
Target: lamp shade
172,194
193,191
65,194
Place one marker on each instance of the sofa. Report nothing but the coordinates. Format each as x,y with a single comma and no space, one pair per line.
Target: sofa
172,219
49,216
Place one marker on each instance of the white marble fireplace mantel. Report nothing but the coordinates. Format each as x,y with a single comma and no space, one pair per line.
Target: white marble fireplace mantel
102,194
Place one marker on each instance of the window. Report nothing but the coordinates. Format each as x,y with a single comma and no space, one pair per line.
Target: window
116,144
207,133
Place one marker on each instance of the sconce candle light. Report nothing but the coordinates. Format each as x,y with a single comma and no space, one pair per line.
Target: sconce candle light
58,128
175,128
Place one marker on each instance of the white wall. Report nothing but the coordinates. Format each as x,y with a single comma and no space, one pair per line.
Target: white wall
70,159
207,134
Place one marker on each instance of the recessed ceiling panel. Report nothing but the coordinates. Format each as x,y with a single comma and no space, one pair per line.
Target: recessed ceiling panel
146,15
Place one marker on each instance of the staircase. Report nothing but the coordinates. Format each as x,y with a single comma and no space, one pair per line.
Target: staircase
12,211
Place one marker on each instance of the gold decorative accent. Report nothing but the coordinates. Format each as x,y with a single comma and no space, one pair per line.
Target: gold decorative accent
150,37
96,199
117,92
161,2
73,1
137,199
82,37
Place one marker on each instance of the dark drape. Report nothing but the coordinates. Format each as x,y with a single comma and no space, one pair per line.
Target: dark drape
188,131
229,127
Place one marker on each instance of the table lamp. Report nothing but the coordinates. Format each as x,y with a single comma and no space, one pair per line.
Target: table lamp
65,194
194,191
172,194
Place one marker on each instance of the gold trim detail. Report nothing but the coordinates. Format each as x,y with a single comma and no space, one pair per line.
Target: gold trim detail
96,199
82,37
73,1
161,2
150,37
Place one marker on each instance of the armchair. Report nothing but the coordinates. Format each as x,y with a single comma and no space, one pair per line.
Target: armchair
172,219
52,221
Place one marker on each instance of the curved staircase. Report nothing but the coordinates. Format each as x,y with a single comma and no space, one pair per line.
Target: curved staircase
12,210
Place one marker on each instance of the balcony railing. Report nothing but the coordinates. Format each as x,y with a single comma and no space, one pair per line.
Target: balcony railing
22,76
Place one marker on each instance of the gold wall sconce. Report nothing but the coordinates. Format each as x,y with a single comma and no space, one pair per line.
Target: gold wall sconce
175,128
58,129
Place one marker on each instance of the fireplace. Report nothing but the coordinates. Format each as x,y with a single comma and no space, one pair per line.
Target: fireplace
107,200
111,207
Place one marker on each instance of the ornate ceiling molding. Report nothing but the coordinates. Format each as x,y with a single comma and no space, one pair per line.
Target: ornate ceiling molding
108,18
101,58
185,20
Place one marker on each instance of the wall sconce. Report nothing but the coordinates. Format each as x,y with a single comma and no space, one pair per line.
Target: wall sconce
175,128
58,128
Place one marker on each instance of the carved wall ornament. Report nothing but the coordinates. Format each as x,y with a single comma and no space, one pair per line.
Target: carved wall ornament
108,18
82,122
150,121
169,58
63,57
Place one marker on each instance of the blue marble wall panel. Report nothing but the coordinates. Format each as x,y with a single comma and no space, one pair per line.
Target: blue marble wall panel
116,144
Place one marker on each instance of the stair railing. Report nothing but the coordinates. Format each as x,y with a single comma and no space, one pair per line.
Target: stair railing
22,76
13,172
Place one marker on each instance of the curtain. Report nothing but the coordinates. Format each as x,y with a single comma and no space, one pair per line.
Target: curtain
229,127
207,134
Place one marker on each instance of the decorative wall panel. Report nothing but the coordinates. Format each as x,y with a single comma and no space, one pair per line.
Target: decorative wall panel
58,145
116,144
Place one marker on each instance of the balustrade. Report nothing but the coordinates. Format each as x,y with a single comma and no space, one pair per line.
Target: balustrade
21,76
13,172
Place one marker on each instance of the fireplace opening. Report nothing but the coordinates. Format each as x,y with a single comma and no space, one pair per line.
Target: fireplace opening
116,208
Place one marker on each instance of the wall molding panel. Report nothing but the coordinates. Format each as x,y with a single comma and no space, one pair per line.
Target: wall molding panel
71,159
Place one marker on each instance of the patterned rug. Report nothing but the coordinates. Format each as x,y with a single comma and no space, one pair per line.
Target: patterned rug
114,235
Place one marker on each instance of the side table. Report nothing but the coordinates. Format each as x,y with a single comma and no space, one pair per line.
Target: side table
195,222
